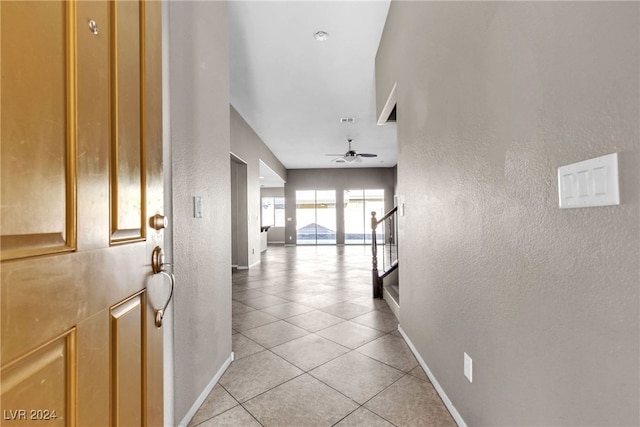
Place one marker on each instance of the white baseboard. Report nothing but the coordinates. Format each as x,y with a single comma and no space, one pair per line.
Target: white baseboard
290,244
454,412
246,267
393,305
196,405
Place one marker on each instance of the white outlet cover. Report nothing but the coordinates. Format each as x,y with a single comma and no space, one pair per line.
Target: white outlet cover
468,367
592,182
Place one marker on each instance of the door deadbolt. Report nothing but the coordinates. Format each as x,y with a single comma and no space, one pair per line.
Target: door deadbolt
158,222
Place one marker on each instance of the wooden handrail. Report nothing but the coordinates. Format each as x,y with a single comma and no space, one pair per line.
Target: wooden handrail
389,270
374,225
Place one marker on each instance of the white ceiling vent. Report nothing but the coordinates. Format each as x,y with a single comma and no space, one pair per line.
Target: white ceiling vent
347,120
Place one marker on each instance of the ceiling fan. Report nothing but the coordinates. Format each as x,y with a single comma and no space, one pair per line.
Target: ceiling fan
350,156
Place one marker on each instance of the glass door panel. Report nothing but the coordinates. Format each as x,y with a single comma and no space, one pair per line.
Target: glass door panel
358,205
355,225
326,217
306,217
374,201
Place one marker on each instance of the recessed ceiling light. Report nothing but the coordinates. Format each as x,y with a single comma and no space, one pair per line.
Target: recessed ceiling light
321,35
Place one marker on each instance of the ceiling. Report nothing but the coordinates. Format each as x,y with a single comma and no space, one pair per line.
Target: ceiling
293,89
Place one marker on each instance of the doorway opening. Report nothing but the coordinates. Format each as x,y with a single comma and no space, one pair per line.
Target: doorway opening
239,232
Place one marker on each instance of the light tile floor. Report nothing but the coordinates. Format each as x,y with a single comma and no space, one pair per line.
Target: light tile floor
313,348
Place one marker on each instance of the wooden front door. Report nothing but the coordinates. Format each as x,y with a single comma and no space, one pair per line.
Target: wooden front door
81,128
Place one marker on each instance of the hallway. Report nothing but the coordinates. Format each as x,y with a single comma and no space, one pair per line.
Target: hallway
312,348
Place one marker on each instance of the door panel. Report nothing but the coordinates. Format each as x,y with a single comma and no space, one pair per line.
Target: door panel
47,370
37,136
127,320
78,333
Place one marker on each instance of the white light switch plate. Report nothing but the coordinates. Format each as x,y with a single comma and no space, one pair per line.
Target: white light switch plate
197,207
593,182
468,367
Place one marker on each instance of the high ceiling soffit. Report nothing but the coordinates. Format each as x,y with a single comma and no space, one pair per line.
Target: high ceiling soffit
268,178
293,89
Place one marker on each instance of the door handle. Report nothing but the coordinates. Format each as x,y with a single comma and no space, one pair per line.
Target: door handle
157,267
160,312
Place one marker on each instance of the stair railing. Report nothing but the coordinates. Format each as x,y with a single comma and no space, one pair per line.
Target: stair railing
392,251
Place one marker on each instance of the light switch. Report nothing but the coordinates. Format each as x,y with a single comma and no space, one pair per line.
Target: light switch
468,367
591,182
197,207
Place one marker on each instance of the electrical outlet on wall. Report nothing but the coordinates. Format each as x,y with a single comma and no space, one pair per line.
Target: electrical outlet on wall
468,367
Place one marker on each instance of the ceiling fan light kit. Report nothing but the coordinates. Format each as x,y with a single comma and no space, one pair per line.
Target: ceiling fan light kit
351,155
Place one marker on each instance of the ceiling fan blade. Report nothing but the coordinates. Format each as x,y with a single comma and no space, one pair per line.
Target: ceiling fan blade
335,155
367,155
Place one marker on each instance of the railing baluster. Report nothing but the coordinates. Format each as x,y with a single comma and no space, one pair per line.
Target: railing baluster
392,245
374,257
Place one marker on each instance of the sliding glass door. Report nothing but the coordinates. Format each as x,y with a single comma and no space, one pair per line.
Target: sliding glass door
355,223
316,217
358,205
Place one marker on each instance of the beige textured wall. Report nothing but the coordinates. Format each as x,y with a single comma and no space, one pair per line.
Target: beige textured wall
492,98
199,103
248,146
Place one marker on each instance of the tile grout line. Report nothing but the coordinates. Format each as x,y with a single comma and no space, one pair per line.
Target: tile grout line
240,404
328,294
